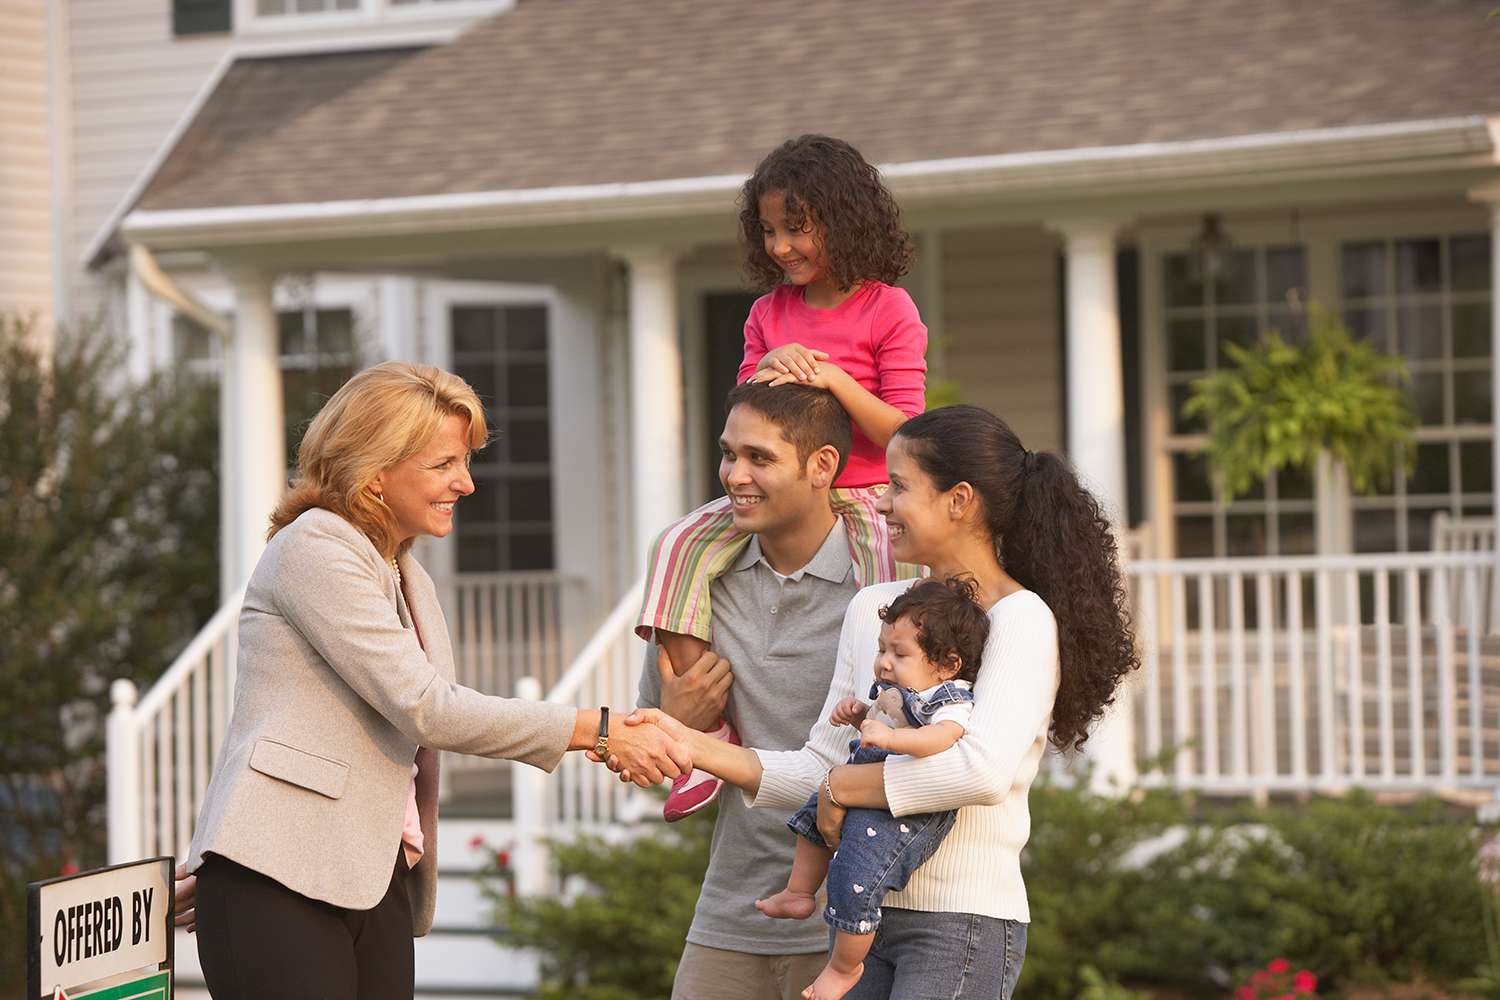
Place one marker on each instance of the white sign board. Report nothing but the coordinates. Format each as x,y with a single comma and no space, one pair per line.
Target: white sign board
102,923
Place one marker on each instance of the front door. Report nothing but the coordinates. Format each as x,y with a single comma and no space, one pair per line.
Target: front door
724,325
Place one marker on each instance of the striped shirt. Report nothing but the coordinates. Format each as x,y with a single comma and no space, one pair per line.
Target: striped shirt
986,775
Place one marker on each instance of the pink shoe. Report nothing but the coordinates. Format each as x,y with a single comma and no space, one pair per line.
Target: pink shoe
696,789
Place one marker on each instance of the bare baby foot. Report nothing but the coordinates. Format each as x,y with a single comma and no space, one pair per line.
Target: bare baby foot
788,904
832,984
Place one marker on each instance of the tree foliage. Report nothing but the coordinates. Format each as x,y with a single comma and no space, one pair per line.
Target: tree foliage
109,505
1285,402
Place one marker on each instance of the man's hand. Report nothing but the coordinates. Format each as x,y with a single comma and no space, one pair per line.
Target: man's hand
648,754
830,817
697,698
875,734
185,894
849,712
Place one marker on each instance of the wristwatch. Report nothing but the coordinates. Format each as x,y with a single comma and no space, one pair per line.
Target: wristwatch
601,745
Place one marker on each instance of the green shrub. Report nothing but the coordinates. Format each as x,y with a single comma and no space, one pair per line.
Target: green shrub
619,936
1155,892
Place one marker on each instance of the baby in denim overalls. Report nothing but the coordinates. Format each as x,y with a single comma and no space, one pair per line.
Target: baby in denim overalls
931,641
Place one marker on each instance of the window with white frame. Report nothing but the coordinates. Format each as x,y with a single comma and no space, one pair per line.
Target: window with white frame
269,13
502,352
318,353
1427,299
1256,289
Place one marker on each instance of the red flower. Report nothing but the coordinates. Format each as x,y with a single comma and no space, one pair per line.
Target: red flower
476,841
503,858
1279,966
1306,982
1286,996
1244,993
69,868
1260,978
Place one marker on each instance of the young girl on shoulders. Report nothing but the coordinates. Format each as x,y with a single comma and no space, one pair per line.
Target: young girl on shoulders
823,239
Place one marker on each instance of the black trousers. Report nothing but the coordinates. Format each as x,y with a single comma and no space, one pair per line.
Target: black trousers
257,939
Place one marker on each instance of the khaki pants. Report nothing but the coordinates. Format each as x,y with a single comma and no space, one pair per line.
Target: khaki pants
715,974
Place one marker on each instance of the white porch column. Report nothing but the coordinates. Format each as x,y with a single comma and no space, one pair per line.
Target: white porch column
251,426
656,397
1096,434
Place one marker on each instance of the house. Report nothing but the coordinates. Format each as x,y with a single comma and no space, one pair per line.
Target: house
540,195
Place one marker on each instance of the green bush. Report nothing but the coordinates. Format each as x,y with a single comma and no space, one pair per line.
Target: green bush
108,565
1156,893
1357,892
620,935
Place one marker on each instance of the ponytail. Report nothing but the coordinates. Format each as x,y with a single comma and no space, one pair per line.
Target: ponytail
1053,537
1060,544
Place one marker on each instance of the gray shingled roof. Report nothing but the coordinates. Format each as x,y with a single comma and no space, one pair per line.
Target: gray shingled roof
565,92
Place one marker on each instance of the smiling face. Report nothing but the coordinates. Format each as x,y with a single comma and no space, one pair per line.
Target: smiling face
921,517
769,488
900,659
797,250
422,489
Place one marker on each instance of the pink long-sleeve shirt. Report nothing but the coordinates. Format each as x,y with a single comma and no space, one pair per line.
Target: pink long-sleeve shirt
875,335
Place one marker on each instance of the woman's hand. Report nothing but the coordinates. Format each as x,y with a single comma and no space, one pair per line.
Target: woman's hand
648,754
875,734
789,363
185,897
849,712
830,816
647,720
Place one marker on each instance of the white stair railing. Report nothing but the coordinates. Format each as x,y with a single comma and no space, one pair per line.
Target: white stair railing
580,795
161,751
1318,673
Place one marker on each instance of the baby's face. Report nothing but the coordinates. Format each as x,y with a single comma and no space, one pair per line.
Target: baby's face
901,661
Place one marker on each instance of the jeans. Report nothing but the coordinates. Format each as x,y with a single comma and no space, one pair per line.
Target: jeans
942,956
877,855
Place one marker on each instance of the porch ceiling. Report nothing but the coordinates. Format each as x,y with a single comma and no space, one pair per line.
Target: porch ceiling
576,111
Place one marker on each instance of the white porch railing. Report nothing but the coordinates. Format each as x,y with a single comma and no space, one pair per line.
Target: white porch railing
1318,673
506,626
161,752
1471,534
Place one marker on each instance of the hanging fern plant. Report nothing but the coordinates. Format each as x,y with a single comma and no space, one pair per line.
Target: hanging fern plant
1282,404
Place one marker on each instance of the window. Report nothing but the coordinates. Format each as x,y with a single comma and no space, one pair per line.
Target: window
502,352
1257,290
318,354
1428,300
274,14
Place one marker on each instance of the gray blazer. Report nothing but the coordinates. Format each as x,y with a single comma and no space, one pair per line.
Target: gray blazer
333,700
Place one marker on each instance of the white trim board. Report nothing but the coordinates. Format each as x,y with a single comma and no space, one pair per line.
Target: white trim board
1431,144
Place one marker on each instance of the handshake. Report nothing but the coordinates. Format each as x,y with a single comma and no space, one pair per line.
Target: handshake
651,744
647,747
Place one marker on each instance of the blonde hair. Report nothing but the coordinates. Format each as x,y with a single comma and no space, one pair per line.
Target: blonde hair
379,418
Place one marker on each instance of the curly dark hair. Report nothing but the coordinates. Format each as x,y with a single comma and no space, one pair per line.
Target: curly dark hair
951,626
1053,538
826,181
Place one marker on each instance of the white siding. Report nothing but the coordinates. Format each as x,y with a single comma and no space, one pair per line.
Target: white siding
25,188
1000,318
131,81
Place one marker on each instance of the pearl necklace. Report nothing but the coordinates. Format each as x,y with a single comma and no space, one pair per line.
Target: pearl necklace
397,570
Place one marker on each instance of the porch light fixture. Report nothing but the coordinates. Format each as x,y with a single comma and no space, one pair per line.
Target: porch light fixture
1209,250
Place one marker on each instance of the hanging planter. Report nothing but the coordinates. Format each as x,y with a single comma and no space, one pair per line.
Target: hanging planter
1327,400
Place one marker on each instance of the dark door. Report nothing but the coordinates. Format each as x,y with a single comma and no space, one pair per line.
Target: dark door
724,321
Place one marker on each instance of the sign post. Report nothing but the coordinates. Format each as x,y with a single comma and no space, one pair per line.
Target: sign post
107,932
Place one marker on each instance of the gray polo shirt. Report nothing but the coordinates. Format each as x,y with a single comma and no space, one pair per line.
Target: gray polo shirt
781,638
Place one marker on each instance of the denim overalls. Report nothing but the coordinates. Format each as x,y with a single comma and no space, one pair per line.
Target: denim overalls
879,852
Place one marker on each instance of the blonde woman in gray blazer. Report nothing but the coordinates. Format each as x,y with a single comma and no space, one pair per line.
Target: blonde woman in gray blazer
315,852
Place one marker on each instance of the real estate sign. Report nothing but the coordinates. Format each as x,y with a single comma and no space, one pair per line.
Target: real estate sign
102,925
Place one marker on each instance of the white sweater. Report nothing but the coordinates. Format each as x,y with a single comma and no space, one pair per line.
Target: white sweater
985,775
